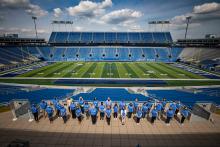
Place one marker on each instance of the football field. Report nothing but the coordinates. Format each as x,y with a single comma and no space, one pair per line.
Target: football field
111,70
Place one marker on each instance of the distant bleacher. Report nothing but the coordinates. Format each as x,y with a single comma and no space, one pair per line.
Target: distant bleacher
110,38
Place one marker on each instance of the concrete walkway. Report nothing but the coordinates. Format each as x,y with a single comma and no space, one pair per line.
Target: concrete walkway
44,134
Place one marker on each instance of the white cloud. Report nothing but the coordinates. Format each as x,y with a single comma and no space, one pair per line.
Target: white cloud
35,10
199,14
206,8
121,16
28,7
78,28
89,8
57,12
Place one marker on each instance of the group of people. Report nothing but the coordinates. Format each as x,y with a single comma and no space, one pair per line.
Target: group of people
79,109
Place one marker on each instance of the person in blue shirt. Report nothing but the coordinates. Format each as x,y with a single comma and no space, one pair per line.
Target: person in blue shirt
144,110
81,103
115,108
138,114
108,102
170,114
102,111
130,110
93,113
121,104
185,114
73,109
108,113
96,103
79,113
173,106
178,107
43,106
164,103
135,104
63,114
50,111
58,106
34,111
159,108
153,114
86,108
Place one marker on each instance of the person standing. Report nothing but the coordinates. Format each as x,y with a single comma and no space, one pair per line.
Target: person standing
73,109
34,111
144,110
123,115
86,108
170,115
43,106
93,112
115,108
159,108
130,110
96,103
81,103
108,102
108,113
68,103
138,115
102,111
50,111
154,114
185,114
63,114
121,104
79,114
178,107
135,104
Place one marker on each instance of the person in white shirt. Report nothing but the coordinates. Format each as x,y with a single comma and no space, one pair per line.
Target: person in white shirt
123,115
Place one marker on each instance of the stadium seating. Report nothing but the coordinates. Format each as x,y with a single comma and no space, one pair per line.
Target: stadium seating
110,37
109,54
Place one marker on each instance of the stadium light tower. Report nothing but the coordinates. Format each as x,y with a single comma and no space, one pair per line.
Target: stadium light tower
35,26
187,25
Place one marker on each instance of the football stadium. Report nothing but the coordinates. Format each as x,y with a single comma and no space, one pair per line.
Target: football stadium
104,75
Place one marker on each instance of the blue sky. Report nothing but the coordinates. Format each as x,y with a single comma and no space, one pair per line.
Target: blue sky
110,15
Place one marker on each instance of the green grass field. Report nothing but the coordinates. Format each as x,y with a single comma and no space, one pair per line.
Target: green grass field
111,70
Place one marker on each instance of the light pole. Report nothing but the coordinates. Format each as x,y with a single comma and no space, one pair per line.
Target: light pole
187,24
35,26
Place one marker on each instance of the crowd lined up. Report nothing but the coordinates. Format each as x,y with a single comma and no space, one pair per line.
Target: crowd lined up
80,109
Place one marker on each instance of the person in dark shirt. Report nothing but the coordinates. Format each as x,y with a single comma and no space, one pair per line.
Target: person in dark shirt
108,112
34,111
115,108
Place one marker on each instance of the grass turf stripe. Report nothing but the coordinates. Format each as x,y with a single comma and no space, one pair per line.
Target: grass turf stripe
131,73
87,74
